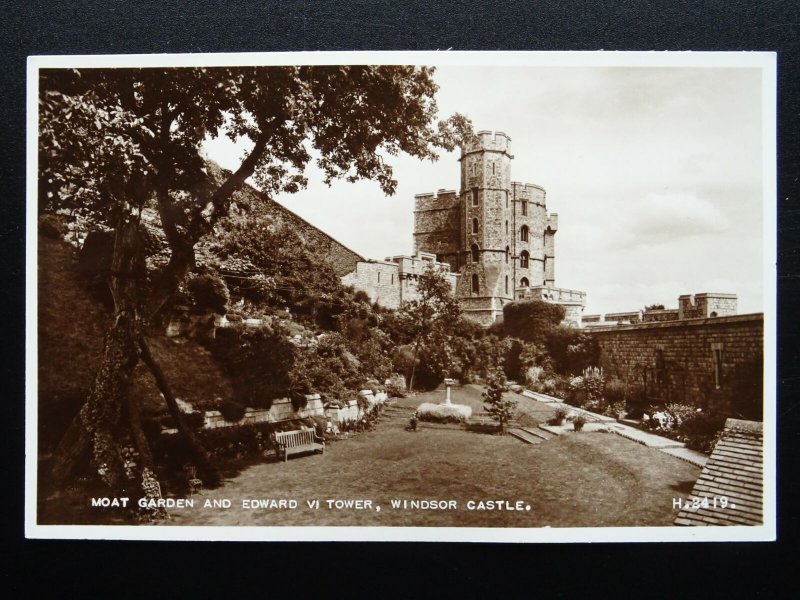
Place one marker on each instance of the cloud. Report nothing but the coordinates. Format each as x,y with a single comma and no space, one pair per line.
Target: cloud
672,216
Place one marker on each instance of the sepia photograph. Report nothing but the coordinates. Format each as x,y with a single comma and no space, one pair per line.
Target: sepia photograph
406,296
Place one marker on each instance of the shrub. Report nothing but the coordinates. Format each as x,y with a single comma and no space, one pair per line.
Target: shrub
702,430
209,292
616,410
258,361
578,422
195,419
571,350
443,413
615,391
299,401
231,411
396,386
52,226
681,412
558,418
531,320
593,384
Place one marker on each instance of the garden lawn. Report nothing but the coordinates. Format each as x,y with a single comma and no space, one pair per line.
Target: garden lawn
576,480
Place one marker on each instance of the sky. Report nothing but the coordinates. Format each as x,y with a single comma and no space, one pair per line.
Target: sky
655,173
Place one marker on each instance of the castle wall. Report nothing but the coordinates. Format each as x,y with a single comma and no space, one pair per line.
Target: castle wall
380,280
340,257
686,351
438,226
395,280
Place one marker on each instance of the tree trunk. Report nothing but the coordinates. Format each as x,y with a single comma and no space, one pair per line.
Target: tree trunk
413,368
93,427
149,482
208,472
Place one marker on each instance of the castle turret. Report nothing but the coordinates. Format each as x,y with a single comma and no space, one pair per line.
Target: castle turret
487,208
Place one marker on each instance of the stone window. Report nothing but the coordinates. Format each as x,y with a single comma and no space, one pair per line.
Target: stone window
506,284
475,253
523,233
474,225
392,282
524,208
661,368
523,259
506,227
379,276
524,282
492,168
506,204
474,196
475,285
508,252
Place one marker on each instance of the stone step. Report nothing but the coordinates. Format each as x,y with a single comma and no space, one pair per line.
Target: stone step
545,435
553,429
526,437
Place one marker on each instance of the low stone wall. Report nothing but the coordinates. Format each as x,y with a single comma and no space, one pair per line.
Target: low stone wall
352,411
281,410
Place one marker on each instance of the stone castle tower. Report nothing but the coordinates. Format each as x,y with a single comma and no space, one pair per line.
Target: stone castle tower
495,234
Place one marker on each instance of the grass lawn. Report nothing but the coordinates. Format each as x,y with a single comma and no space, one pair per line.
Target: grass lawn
577,480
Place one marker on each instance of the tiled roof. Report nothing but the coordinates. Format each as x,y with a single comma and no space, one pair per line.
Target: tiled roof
732,476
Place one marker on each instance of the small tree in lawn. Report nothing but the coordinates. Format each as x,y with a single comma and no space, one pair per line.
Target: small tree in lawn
499,406
431,316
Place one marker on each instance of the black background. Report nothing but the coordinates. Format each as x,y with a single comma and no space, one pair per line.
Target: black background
123,569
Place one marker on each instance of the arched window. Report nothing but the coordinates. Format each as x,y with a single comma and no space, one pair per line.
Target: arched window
523,233
474,225
524,282
475,253
475,284
523,259
508,251
524,207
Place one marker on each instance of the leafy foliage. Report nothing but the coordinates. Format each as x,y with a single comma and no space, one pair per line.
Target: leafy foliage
428,322
258,361
209,292
571,350
531,320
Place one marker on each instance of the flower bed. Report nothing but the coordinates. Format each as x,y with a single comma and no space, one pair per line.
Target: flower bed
443,413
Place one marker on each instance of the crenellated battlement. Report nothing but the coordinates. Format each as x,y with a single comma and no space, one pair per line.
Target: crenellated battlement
441,200
528,191
495,141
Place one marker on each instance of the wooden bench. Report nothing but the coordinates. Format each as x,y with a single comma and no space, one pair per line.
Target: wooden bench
295,442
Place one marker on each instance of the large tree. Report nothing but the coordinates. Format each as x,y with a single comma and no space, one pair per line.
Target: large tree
430,318
115,141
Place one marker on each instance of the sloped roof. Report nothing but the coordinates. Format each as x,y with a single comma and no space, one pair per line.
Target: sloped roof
734,472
